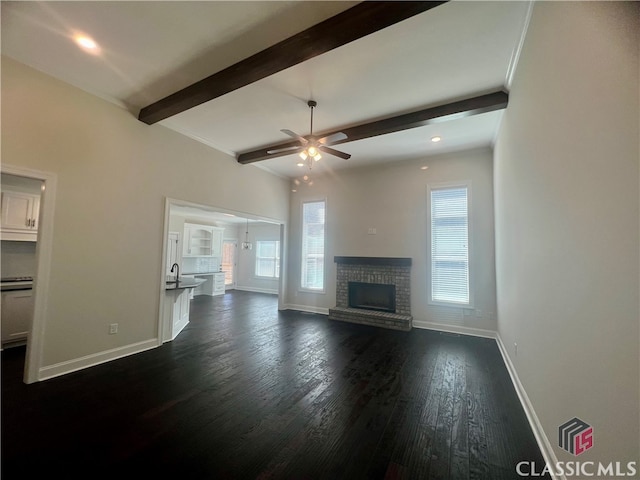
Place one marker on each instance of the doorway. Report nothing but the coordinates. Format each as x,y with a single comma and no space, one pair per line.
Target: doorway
219,253
229,263
43,251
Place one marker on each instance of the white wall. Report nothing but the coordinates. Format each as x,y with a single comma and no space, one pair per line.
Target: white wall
566,197
114,174
21,184
18,259
393,199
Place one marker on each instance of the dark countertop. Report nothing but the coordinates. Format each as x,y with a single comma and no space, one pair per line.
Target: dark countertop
184,283
202,273
16,283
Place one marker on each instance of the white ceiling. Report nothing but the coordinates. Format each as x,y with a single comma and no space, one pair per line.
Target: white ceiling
150,49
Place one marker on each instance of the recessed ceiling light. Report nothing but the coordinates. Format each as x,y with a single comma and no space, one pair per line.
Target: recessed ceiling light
294,190
424,167
86,43
436,139
229,214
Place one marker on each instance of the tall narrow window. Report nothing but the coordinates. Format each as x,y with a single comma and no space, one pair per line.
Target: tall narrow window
268,258
313,245
450,245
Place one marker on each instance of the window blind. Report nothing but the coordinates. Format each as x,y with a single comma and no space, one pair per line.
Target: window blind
450,245
313,245
268,258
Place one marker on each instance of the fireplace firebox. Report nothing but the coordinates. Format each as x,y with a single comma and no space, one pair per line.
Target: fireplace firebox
372,296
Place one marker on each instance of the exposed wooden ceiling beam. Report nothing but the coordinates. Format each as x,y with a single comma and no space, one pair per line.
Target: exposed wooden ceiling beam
358,21
441,113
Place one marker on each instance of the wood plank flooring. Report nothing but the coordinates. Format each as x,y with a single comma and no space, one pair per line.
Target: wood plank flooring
247,392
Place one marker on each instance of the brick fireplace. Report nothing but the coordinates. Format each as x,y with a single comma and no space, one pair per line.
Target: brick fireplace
382,275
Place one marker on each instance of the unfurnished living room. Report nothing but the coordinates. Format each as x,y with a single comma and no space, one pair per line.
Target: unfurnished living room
320,239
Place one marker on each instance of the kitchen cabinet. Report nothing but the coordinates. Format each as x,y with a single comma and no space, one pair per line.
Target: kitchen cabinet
17,312
217,236
202,241
218,283
197,241
212,284
177,307
19,219
176,313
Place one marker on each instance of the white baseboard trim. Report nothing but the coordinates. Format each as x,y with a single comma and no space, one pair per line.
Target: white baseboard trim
441,327
541,438
62,368
256,290
307,308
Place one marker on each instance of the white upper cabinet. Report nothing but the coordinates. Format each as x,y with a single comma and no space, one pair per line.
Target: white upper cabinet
216,241
202,241
19,215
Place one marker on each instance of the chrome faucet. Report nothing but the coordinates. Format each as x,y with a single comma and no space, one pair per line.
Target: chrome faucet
176,267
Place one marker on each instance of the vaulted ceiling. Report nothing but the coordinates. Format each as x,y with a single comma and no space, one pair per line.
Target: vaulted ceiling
149,50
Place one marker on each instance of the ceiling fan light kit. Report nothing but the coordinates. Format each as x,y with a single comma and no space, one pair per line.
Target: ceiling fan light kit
310,147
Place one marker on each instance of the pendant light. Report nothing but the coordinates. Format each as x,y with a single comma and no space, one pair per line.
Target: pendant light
246,245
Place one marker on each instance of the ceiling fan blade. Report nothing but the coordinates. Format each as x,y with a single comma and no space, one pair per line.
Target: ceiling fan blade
286,149
294,135
332,151
329,139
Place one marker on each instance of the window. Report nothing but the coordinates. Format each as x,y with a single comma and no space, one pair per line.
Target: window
313,245
450,245
268,258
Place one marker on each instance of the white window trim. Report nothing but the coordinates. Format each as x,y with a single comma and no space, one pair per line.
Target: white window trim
302,289
255,259
470,231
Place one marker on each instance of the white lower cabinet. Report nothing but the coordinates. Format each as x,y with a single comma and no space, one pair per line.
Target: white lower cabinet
17,313
218,283
213,285
176,312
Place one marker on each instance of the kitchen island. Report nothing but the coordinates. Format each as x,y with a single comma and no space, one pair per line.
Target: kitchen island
176,306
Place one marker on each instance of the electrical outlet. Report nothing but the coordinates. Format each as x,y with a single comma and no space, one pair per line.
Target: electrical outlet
113,329
371,231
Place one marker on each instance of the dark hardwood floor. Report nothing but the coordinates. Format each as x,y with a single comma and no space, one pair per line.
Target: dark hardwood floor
247,392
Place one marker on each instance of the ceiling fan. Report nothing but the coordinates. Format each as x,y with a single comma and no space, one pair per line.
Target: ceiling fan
310,146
